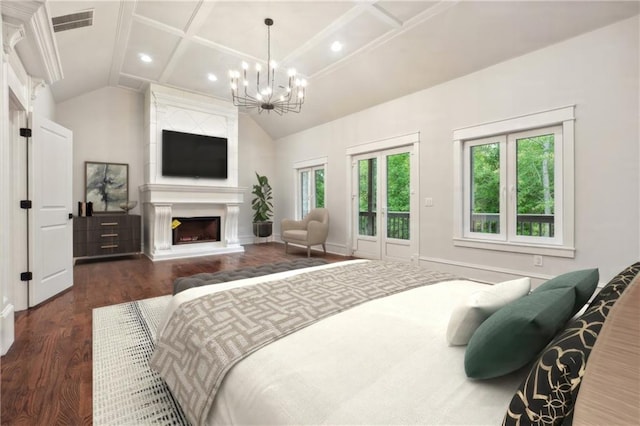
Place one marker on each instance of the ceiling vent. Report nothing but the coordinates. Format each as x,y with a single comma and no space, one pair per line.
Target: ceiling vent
72,21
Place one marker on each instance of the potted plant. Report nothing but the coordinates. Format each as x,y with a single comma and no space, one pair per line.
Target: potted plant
262,207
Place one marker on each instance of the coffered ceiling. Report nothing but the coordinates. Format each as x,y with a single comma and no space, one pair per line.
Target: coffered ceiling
390,48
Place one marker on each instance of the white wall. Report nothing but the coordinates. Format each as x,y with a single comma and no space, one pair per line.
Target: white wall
256,153
598,72
107,126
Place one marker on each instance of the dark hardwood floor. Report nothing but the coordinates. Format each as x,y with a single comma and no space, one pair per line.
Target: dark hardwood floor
47,373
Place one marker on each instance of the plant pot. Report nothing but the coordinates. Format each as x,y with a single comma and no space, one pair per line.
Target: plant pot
262,229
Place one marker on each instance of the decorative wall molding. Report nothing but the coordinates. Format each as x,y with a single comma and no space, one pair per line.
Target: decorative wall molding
12,34
36,85
42,47
173,109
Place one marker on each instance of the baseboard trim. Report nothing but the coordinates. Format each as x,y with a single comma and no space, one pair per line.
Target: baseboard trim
8,330
538,278
493,269
332,248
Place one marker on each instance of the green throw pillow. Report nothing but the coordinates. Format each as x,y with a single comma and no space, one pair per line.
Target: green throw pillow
515,335
583,283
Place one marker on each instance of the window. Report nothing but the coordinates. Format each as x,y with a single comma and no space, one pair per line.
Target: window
310,189
511,193
512,185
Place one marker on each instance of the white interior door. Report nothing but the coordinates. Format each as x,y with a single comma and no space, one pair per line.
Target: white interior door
383,202
51,229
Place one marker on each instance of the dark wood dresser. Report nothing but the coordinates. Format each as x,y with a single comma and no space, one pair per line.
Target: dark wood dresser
106,235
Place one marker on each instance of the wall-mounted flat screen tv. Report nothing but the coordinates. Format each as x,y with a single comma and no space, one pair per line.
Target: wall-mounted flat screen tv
194,156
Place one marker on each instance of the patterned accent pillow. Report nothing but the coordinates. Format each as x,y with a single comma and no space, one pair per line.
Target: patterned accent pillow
548,393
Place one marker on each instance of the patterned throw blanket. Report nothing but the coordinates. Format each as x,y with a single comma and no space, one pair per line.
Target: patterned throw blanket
205,337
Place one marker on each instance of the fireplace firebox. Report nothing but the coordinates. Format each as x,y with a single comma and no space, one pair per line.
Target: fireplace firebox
190,230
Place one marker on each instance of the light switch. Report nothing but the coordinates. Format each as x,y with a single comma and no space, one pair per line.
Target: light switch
428,202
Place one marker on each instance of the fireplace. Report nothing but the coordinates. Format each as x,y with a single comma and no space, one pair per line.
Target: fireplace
191,230
161,204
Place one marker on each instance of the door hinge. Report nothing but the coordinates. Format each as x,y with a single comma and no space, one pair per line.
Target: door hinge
26,276
25,132
25,204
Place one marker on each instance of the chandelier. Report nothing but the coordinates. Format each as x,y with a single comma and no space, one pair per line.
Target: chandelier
266,96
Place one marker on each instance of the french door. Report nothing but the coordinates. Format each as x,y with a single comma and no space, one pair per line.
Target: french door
383,204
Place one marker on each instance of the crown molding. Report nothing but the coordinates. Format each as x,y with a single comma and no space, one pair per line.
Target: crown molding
12,34
34,15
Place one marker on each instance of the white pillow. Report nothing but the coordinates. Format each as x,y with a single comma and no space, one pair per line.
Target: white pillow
468,315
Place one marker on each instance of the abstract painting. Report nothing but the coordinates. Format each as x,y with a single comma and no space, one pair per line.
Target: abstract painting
107,186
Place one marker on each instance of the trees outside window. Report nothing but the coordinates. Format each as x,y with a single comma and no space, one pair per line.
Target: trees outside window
511,186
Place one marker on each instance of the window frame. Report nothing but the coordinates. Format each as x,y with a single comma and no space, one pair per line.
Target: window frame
310,166
512,179
562,244
502,235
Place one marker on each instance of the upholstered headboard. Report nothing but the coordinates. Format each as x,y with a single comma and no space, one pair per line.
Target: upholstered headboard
610,390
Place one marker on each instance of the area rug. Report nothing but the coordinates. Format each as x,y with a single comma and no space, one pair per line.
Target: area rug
125,390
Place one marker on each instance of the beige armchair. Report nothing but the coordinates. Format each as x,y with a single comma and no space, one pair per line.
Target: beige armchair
310,231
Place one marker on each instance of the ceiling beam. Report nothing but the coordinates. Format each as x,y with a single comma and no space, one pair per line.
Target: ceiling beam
123,30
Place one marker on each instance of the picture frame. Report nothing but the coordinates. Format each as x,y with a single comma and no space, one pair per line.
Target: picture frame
106,186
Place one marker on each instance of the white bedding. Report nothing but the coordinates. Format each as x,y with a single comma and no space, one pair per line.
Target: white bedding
384,362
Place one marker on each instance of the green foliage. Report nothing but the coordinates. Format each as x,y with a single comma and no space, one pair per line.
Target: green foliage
366,171
319,178
262,205
535,175
398,182
485,166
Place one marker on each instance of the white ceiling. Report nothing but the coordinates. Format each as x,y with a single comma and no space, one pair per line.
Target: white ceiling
391,48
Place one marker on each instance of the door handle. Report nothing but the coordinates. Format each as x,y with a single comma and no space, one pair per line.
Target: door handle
70,216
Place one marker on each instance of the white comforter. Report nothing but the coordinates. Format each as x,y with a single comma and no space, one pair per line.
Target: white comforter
384,362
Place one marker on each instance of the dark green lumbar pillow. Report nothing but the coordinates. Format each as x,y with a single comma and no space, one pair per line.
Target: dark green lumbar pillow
513,336
582,282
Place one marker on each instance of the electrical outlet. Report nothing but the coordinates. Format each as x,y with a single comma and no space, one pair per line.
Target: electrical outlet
537,260
428,202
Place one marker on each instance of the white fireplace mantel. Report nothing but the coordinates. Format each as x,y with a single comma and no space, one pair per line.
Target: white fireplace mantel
161,203
160,193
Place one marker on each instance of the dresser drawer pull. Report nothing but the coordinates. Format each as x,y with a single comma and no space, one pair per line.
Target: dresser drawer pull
109,246
108,223
108,235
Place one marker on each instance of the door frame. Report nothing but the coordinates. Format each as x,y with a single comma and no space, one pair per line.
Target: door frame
411,140
311,165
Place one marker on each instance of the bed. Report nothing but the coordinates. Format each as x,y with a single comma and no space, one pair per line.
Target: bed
383,360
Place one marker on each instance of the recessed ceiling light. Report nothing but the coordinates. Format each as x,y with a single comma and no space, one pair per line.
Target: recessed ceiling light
145,58
212,77
336,46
